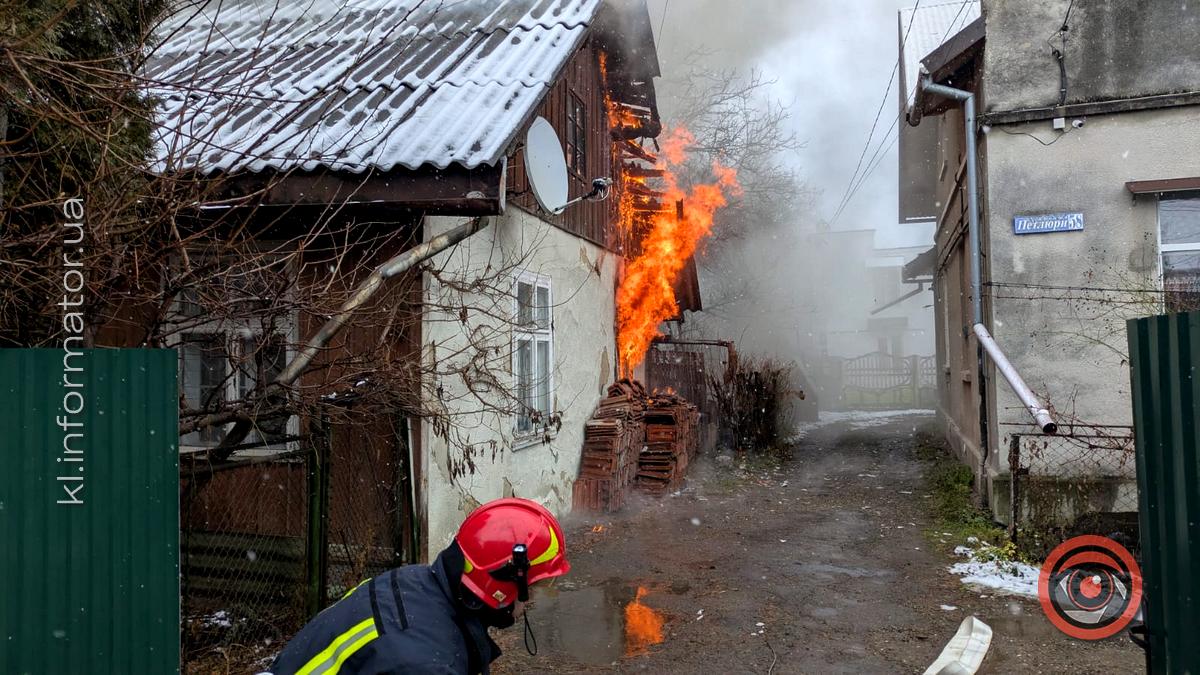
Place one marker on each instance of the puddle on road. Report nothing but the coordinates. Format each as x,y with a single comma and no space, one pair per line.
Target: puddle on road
596,625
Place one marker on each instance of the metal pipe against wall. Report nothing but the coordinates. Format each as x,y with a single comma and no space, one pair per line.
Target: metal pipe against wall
968,101
986,342
397,265
1022,390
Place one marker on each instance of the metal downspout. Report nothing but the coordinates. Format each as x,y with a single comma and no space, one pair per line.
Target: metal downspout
1028,399
984,341
968,101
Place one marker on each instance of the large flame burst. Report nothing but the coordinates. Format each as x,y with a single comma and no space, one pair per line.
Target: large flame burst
646,296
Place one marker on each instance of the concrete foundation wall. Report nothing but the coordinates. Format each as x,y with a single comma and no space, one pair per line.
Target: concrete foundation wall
583,278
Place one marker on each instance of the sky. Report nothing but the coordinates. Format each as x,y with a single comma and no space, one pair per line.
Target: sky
831,59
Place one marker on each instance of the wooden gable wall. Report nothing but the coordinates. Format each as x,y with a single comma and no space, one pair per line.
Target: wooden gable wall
593,221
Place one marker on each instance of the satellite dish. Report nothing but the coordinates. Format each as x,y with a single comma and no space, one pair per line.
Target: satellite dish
546,166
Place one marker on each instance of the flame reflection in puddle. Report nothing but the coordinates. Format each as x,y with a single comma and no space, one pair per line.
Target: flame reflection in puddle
643,625
595,624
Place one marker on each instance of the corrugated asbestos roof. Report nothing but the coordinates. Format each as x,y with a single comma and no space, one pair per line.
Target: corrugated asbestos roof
352,85
931,27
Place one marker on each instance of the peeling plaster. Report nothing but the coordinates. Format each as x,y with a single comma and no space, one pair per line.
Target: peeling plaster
584,287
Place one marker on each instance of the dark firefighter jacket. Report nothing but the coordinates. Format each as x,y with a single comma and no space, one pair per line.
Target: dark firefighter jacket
407,620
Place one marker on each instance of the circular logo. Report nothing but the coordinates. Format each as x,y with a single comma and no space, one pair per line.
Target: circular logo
1090,587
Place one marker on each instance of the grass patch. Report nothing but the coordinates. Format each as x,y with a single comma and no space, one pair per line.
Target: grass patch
957,520
954,509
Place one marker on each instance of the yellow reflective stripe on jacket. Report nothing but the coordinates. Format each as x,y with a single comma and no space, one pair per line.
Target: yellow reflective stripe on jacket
551,551
330,660
355,588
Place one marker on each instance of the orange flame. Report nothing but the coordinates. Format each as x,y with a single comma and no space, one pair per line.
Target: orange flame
643,626
618,115
646,296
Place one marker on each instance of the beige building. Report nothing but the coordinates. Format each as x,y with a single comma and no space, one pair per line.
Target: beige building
1088,173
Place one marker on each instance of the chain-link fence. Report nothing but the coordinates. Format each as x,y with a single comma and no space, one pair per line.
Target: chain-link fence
370,526
245,569
269,539
1072,483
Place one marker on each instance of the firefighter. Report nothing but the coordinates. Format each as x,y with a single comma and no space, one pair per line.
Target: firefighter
434,619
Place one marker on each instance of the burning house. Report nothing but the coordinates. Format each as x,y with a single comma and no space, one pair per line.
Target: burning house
342,122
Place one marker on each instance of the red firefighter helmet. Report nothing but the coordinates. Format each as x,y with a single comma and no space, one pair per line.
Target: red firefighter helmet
509,545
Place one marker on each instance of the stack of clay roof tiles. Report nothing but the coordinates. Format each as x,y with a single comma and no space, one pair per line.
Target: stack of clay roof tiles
635,440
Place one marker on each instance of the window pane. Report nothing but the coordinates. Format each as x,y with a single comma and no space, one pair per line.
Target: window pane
1179,218
268,360
524,303
273,357
542,308
525,392
247,372
543,376
1181,281
202,374
189,302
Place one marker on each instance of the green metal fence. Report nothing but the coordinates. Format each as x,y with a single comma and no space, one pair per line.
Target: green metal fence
1164,354
89,519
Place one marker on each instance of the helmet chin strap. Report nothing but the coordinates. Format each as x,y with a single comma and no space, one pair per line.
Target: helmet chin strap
529,637
520,562
517,571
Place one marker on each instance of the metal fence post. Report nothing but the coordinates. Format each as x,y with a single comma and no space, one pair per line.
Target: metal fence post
1014,488
318,517
914,374
405,538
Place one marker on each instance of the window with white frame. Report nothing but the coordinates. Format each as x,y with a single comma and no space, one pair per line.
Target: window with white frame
533,353
1179,232
234,332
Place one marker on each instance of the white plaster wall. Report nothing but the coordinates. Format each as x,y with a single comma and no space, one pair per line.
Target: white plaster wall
1064,345
584,278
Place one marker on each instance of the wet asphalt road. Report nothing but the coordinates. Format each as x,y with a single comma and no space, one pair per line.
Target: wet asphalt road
819,565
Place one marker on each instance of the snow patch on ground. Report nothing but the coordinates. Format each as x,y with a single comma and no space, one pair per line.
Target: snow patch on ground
1003,576
861,419
858,419
219,619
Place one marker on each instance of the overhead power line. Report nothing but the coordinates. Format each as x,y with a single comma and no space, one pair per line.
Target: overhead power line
878,113
856,181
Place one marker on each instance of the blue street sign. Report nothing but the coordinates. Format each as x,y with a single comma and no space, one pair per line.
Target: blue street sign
1048,222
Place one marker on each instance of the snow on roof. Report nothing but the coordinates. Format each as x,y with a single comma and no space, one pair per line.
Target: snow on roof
931,27
353,85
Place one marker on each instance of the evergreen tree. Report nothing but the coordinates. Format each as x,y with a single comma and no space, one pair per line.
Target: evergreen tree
74,122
